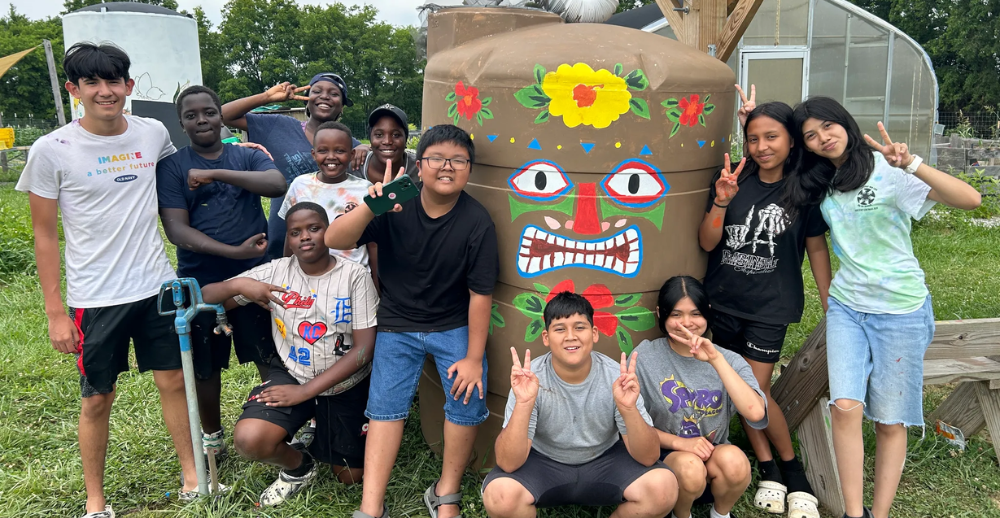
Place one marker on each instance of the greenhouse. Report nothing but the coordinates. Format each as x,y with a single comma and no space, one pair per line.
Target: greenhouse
794,49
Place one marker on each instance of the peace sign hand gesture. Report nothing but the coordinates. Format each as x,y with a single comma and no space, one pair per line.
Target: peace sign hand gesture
726,186
748,104
897,154
285,92
702,348
523,382
626,387
376,190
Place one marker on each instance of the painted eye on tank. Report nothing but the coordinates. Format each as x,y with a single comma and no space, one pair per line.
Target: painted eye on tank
540,180
635,183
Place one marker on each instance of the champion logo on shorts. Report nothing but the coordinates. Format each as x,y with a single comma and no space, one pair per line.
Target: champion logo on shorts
364,429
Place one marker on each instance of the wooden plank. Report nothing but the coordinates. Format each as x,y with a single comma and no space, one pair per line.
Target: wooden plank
804,380
711,21
939,372
816,444
674,18
989,402
961,410
965,339
737,24
731,6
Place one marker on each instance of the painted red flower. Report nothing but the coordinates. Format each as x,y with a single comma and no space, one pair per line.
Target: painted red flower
600,297
690,110
468,100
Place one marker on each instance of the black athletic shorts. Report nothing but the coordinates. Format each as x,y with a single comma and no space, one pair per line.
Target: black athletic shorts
341,425
104,338
757,341
251,338
601,481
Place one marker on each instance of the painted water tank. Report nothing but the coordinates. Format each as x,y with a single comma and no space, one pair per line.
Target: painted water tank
163,47
595,148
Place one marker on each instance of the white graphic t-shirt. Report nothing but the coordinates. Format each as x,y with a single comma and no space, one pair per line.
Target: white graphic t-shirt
106,190
337,198
314,329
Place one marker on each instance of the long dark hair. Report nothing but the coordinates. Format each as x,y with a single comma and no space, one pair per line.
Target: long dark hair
822,177
674,290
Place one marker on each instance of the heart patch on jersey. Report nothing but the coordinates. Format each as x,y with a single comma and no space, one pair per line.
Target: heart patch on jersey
311,332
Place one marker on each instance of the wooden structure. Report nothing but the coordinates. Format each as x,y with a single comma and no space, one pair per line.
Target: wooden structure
960,153
966,352
712,26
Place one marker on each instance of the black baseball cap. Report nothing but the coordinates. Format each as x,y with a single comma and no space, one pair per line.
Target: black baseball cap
391,111
335,79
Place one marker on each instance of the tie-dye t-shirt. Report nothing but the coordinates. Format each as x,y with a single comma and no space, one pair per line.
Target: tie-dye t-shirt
870,230
685,396
337,198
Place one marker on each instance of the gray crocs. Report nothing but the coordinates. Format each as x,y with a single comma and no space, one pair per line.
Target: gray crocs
432,501
359,514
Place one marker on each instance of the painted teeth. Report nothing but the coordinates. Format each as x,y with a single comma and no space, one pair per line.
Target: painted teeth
619,254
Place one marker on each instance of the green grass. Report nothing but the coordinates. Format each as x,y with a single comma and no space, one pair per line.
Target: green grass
40,473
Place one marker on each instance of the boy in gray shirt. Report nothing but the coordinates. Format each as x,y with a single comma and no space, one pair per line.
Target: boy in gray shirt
560,444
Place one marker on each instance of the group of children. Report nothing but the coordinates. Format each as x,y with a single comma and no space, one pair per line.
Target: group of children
314,290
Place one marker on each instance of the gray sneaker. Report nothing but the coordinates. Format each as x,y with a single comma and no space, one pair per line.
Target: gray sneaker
108,512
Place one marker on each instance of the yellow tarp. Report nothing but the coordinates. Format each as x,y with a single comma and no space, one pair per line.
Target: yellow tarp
8,61
6,138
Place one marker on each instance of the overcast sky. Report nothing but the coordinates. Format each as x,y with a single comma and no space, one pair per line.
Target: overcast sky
397,12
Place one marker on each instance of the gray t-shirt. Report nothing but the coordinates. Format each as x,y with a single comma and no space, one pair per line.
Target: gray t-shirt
575,424
686,396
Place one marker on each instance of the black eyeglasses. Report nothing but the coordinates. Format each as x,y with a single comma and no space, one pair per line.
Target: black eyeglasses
436,162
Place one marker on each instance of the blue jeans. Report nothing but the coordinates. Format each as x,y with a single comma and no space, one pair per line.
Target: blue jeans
878,359
399,359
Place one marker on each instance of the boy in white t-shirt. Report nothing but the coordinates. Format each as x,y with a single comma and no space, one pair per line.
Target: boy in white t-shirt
100,172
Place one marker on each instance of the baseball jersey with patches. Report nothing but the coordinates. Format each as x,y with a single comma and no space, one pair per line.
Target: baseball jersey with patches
337,198
870,230
314,329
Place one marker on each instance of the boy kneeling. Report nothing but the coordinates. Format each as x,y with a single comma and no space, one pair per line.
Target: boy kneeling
324,331
561,445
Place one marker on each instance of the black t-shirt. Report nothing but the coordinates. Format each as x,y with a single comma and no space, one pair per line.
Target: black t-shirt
426,266
755,272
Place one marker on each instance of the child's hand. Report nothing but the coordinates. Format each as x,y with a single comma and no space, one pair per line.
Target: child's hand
897,154
360,153
199,177
261,293
523,382
376,190
285,92
258,147
626,387
726,186
702,348
254,246
283,395
699,446
748,104
468,376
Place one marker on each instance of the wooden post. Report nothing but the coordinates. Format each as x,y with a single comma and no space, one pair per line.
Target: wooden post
739,19
989,402
703,24
816,443
956,410
804,380
54,80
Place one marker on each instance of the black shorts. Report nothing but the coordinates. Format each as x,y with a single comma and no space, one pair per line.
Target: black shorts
341,425
600,482
251,338
757,341
104,337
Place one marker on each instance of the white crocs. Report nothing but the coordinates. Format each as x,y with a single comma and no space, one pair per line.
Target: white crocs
108,512
286,487
770,497
802,505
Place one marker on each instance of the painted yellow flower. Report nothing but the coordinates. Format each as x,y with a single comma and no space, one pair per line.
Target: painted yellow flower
581,95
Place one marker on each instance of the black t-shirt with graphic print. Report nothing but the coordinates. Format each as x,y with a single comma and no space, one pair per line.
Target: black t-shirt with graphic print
755,272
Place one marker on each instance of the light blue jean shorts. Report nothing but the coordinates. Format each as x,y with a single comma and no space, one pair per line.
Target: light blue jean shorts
878,359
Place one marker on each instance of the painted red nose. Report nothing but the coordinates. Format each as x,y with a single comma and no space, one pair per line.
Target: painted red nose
586,221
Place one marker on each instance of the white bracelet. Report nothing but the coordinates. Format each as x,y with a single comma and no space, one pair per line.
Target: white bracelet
241,300
914,164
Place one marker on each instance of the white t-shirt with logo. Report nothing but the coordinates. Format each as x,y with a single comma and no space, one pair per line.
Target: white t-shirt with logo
337,198
314,329
106,190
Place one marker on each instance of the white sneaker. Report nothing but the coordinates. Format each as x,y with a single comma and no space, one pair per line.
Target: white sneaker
287,486
216,442
190,496
108,512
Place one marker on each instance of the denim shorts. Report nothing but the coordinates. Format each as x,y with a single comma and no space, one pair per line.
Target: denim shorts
878,359
399,359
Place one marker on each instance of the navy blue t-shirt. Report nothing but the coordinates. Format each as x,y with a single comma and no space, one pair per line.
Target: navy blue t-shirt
223,212
285,138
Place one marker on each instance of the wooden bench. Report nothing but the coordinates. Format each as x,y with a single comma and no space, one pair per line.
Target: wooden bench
966,352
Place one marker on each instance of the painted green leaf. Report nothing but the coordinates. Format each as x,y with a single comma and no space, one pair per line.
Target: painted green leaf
673,115
669,103
534,330
496,319
677,126
639,107
542,289
636,80
624,340
532,97
486,102
530,304
542,117
487,113
539,74
628,299
455,119
707,97
452,110
701,120
450,97
479,118
709,108
619,69
637,318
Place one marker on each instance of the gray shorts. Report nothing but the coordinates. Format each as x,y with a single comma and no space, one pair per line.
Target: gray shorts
600,482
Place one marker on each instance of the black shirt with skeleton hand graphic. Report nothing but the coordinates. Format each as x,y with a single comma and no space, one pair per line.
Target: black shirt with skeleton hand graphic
755,272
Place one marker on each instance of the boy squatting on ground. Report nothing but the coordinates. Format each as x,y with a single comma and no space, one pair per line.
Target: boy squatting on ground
324,330
434,301
560,442
100,172
209,197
